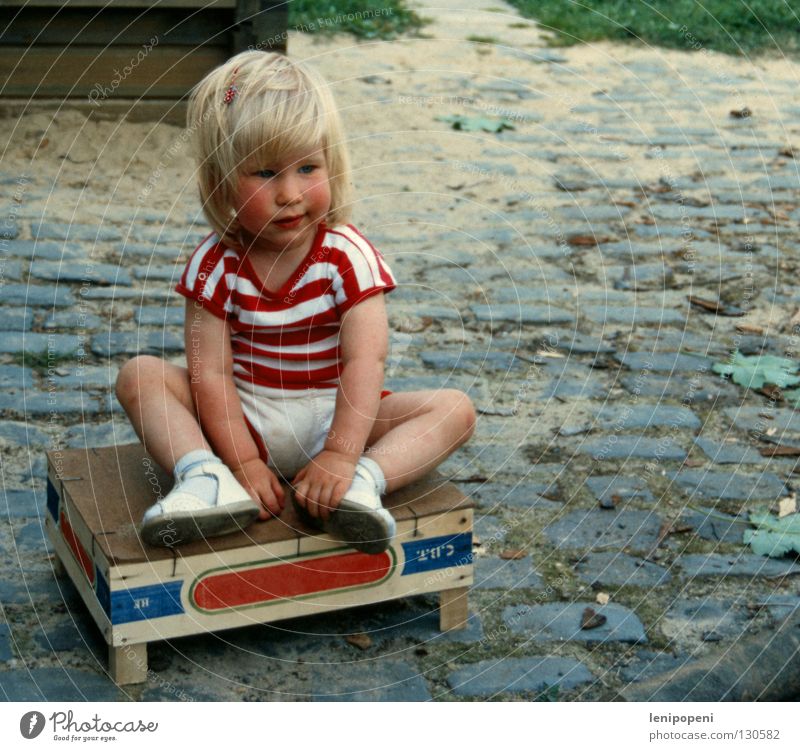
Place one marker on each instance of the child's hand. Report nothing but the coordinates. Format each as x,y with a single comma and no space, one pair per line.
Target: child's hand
320,485
262,485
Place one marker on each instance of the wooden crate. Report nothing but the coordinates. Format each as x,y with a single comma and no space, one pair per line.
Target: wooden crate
273,570
92,51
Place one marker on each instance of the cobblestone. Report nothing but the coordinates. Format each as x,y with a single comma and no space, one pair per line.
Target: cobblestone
6,652
159,343
620,570
558,621
97,273
15,377
58,684
593,530
704,620
705,484
744,564
614,487
518,674
386,680
630,446
496,573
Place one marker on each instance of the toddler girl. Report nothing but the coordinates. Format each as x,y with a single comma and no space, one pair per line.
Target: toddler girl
286,332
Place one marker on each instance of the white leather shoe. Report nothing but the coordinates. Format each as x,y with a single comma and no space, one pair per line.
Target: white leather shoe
182,517
360,520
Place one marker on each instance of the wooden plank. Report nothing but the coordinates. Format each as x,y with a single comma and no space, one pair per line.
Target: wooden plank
128,664
97,74
171,111
119,26
261,25
453,609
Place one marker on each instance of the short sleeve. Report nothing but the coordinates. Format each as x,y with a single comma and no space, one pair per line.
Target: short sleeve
204,279
361,271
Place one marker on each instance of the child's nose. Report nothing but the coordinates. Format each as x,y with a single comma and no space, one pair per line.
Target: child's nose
289,191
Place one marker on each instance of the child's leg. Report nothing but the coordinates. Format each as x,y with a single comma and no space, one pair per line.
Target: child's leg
156,397
207,499
416,431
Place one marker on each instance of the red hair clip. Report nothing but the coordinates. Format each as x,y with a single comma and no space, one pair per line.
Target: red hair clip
230,93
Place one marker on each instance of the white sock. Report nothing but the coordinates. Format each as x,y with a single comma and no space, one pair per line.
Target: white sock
370,480
202,486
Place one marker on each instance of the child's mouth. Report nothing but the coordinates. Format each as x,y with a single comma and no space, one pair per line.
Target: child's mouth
289,222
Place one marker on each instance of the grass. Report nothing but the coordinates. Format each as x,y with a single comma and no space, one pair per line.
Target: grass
365,19
737,27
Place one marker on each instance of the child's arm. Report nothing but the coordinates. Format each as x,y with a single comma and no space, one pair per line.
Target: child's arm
364,343
208,352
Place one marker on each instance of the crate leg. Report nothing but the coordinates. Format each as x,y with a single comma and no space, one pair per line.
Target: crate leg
128,664
453,609
58,567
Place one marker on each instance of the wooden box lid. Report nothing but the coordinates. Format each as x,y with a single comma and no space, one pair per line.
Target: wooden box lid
112,487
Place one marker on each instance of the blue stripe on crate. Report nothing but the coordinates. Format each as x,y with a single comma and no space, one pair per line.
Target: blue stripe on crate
437,552
52,500
144,603
103,592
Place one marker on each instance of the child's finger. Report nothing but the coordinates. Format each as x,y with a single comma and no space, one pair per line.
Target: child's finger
277,489
324,501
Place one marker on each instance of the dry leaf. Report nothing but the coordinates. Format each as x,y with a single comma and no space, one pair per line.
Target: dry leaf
716,306
779,450
583,241
591,619
787,506
772,392
512,554
795,319
788,151
362,641
602,598
747,328
742,113
692,463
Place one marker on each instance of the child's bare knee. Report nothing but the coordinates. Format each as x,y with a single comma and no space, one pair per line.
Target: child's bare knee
461,410
132,374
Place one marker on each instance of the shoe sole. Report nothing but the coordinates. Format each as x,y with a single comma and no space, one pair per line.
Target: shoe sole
359,528
169,530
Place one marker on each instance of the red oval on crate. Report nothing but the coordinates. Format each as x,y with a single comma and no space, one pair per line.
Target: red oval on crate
281,579
75,545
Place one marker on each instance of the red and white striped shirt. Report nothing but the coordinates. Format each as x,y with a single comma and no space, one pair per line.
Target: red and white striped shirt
288,339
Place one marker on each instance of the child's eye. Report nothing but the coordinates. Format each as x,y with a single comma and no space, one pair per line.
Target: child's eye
265,173
307,169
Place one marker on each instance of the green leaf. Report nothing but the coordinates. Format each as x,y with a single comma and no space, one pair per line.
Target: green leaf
774,536
753,372
488,124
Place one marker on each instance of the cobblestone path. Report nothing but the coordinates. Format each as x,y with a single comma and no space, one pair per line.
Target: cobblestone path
544,269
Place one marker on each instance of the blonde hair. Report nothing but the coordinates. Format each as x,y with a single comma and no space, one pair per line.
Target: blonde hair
280,106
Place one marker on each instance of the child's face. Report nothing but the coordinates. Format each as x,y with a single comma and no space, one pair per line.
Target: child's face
280,205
